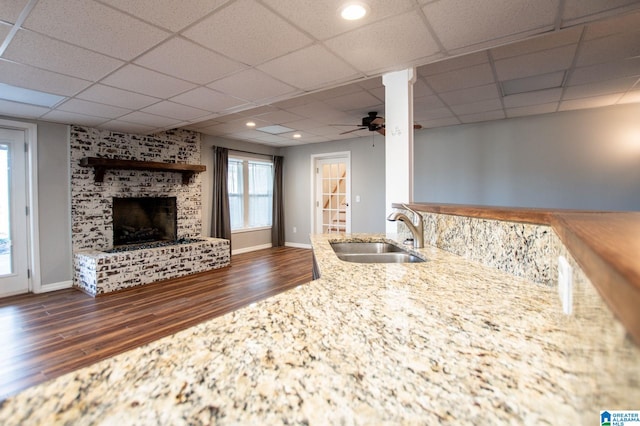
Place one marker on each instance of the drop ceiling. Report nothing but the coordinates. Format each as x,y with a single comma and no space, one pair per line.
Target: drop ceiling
212,65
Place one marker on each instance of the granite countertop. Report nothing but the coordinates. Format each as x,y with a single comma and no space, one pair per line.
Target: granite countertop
447,340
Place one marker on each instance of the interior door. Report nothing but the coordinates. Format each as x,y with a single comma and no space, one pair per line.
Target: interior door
13,214
332,198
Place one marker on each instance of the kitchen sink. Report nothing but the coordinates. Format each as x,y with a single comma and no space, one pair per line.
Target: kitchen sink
373,252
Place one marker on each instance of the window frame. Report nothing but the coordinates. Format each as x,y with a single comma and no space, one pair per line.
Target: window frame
245,159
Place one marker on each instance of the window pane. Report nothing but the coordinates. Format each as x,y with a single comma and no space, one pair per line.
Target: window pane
236,194
260,193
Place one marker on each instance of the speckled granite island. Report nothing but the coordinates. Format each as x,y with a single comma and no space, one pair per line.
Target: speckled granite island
448,341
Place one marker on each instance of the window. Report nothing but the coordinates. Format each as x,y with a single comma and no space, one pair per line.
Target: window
250,185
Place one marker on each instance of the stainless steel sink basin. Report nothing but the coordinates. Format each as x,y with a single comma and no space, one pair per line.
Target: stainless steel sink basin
374,252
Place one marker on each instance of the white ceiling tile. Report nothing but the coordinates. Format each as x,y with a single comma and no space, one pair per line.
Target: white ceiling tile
174,110
279,117
80,106
94,26
205,123
420,115
450,64
605,71
482,116
319,111
619,24
477,75
477,107
576,9
533,83
116,97
533,98
16,109
537,44
427,103
594,102
335,92
150,120
309,68
460,23
630,97
170,14
262,35
543,62
147,82
4,30
532,110
404,39
360,100
10,10
188,61
611,48
37,79
320,18
304,124
618,85
43,52
439,122
123,126
73,118
371,83
479,93
420,88
252,85
208,99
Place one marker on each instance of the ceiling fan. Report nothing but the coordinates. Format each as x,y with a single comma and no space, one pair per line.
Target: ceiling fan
371,122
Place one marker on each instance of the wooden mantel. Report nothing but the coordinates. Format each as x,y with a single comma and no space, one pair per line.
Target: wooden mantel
102,164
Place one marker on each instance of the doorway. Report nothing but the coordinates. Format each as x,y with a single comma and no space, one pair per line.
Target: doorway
14,235
332,193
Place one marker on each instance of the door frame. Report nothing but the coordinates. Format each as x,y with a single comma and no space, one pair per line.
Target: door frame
346,155
30,130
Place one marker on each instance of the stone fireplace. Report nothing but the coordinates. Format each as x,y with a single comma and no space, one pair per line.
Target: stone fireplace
119,212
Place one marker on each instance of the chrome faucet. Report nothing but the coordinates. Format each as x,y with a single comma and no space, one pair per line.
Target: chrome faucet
417,228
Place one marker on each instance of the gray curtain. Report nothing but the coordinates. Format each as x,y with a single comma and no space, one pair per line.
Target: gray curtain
277,226
220,217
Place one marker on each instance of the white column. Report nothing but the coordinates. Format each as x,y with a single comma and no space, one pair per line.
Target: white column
398,139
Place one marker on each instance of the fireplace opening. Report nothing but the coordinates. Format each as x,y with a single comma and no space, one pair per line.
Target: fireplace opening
140,220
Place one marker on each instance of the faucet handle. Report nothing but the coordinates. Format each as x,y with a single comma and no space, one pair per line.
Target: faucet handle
417,216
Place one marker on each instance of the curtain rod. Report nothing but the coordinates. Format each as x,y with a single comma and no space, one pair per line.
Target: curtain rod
245,152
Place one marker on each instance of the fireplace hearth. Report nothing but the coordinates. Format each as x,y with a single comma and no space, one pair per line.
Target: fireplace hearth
139,220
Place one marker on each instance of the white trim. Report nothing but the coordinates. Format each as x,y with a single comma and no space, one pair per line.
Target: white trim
31,139
55,286
253,248
258,228
298,245
313,190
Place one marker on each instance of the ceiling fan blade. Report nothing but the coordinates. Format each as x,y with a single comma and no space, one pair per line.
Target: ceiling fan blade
417,126
351,131
381,130
378,121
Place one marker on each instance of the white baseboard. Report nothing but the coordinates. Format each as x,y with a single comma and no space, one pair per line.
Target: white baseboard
54,286
253,248
298,245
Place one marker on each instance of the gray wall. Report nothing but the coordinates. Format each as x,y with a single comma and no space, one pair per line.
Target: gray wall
367,181
587,159
54,205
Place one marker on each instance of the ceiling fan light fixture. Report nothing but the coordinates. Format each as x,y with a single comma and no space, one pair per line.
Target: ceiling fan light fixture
353,10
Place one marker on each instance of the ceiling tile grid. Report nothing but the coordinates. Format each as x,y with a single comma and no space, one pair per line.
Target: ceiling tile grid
211,65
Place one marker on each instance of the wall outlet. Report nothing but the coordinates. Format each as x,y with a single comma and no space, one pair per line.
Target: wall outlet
295,229
565,285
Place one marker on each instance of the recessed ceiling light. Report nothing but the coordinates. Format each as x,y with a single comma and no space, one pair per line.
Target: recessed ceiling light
251,124
297,135
352,11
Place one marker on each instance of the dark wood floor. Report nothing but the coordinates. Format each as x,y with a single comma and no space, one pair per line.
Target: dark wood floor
43,336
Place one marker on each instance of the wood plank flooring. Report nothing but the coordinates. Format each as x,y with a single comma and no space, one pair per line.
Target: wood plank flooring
43,336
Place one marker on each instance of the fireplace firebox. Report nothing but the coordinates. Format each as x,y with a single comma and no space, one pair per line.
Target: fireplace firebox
139,220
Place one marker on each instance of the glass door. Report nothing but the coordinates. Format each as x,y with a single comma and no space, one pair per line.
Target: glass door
332,201
13,214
